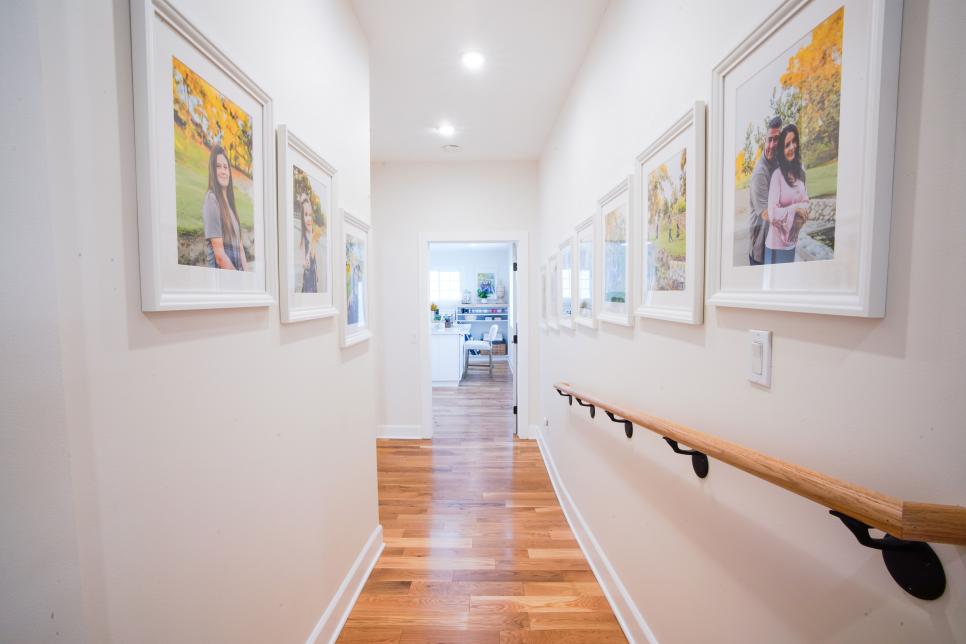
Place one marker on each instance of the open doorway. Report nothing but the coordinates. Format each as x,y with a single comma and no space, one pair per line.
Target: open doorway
472,364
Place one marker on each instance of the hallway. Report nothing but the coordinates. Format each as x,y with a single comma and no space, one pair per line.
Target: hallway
477,547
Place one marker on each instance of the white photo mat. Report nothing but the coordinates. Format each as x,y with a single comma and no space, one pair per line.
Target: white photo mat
553,286
566,284
853,282
295,306
586,240
679,303
543,296
355,287
160,34
616,260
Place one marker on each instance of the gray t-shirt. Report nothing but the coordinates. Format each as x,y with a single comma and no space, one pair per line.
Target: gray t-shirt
211,214
758,193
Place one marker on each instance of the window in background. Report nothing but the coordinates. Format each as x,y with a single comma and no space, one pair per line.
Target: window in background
444,286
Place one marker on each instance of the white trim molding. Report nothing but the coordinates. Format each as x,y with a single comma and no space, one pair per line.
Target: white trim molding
522,317
630,618
337,612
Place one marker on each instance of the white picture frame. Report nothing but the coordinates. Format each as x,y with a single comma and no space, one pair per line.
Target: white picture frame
616,224
565,290
543,296
300,256
356,241
553,281
851,278
585,260
672,286
181,266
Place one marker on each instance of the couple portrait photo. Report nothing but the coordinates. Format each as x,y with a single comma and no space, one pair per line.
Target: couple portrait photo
786,162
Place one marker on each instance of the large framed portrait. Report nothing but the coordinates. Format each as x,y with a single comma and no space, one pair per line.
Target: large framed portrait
204,146
585,272
670,174
306,202
356,240
565,293
802,142
553,290
616,253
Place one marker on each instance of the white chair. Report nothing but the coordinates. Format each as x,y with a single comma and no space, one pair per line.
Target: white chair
486,344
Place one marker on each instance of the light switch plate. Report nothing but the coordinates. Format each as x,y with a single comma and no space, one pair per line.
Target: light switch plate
759,368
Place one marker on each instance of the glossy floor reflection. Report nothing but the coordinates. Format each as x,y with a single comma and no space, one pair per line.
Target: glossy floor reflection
477,547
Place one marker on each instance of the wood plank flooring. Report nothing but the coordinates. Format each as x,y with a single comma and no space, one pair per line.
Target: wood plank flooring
477,547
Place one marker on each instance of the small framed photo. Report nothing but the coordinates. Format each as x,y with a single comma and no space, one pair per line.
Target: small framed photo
306,201
585,272
205,169
670,176
553,290
543,296
802,136
355,246
565,311
616,253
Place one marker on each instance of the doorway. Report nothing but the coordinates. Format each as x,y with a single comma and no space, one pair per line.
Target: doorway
473,357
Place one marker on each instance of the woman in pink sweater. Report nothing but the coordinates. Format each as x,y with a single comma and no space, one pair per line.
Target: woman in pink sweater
787,200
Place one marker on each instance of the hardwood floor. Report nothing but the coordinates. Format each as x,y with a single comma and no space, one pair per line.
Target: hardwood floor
477,547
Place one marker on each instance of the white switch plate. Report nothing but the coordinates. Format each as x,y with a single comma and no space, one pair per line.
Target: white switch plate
759,369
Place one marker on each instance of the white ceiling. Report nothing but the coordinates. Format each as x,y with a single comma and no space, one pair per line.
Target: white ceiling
533,50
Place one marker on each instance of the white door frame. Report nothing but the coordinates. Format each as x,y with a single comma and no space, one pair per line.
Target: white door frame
522,318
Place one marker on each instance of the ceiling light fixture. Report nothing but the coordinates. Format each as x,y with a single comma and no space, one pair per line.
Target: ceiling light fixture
445,129
473,61
452,147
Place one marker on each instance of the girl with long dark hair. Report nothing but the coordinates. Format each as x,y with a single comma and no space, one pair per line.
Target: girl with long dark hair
787,200
223,242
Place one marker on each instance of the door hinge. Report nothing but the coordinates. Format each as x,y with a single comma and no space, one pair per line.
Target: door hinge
514,266
514,338
514,410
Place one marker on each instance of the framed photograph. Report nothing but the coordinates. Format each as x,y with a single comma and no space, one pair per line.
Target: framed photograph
670,173
485,286
553,290
802,142
585,273
204,148
306,201
565,302
355,246
616,253
543,296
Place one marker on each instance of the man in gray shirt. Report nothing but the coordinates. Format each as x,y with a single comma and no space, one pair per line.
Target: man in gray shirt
758,192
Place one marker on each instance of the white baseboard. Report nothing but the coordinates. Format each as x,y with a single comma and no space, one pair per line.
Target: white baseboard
630,618
527,431
399,431
337,612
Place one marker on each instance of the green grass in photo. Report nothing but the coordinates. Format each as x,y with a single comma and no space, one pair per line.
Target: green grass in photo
191,185
676,247
822,180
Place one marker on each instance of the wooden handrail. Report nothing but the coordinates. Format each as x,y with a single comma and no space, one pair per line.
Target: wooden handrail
906,520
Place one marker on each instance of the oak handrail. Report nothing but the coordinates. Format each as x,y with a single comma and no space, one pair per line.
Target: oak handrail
907,520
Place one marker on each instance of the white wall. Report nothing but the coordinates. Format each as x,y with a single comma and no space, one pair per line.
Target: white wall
221,466
457,197
877,402
469,262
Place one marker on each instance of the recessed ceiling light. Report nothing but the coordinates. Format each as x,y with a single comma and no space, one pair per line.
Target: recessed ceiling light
452,147
473,60
445,129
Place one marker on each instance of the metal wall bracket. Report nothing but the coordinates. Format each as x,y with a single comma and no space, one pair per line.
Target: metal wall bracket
628,425
570,399
912,564
593,410
699,460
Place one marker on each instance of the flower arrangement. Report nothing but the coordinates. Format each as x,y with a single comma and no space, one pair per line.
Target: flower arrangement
484,291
